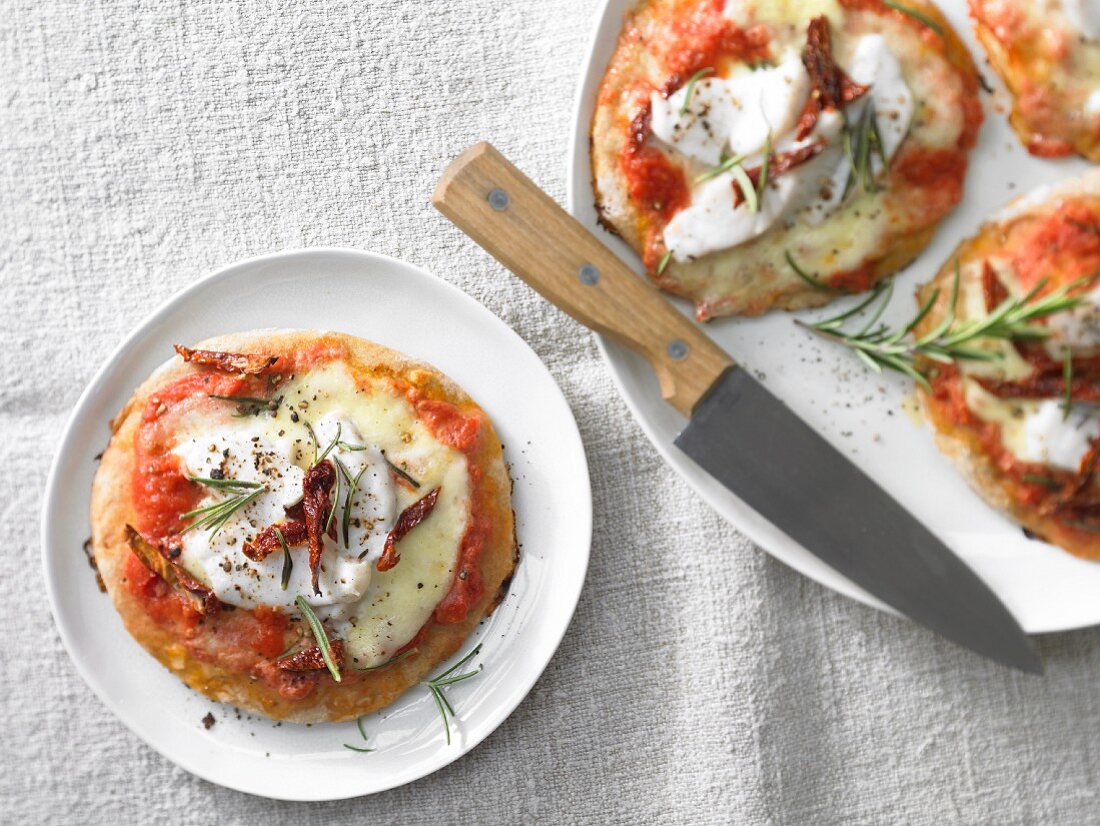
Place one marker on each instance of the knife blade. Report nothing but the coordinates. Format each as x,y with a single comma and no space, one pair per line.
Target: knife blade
737,431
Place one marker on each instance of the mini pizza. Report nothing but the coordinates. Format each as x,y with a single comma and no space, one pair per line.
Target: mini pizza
1048,54
302,524
759,154
1023,424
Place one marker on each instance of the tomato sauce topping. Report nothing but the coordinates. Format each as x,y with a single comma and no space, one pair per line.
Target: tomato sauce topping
1060,247
701,37
161,491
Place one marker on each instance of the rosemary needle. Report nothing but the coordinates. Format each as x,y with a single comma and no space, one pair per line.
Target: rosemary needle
762,181
363,734
215,515
813,281
401,472
388,662
916,15
691,89
331,445
319,635
725,166
448,678
288,563
880,347
664,262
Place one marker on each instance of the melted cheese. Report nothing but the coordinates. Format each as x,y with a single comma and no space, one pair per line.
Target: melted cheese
1052,438
732,115
1037,431
1077,329
376,613
746,13
1005,363
736,116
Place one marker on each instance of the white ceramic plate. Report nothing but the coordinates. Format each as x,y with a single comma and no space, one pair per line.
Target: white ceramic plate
861,413
370,296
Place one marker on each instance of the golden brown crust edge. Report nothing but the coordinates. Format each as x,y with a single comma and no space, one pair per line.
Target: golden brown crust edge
112,508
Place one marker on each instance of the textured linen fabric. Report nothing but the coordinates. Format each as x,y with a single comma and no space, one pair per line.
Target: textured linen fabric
143,143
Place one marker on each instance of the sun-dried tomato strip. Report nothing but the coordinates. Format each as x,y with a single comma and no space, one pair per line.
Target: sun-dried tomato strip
311,659
1084,472
992,287
153,558
1048,380
1044,385
412,516
267,541
778,164
831,88
318,482
249,363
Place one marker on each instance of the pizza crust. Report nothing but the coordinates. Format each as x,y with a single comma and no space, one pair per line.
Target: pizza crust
112,509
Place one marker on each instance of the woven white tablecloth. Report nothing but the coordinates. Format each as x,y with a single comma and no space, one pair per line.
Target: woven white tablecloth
144,143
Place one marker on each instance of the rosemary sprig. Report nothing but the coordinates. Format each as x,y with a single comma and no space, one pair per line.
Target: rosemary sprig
363,734
449,678
665,259
762,181
225,484
389,662
214,516
725,166
316,442
401,472
691,89
813,281
916,15
881,348
319,635
288,563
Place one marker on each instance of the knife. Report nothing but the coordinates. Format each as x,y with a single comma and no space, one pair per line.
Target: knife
737,431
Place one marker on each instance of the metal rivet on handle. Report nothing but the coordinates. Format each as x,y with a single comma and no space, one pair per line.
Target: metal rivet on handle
677,350
589,274
498,200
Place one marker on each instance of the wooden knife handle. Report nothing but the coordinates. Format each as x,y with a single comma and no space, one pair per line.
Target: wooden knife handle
522,227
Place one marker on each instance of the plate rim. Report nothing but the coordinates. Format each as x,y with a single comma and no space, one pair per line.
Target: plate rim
54,484
743,518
